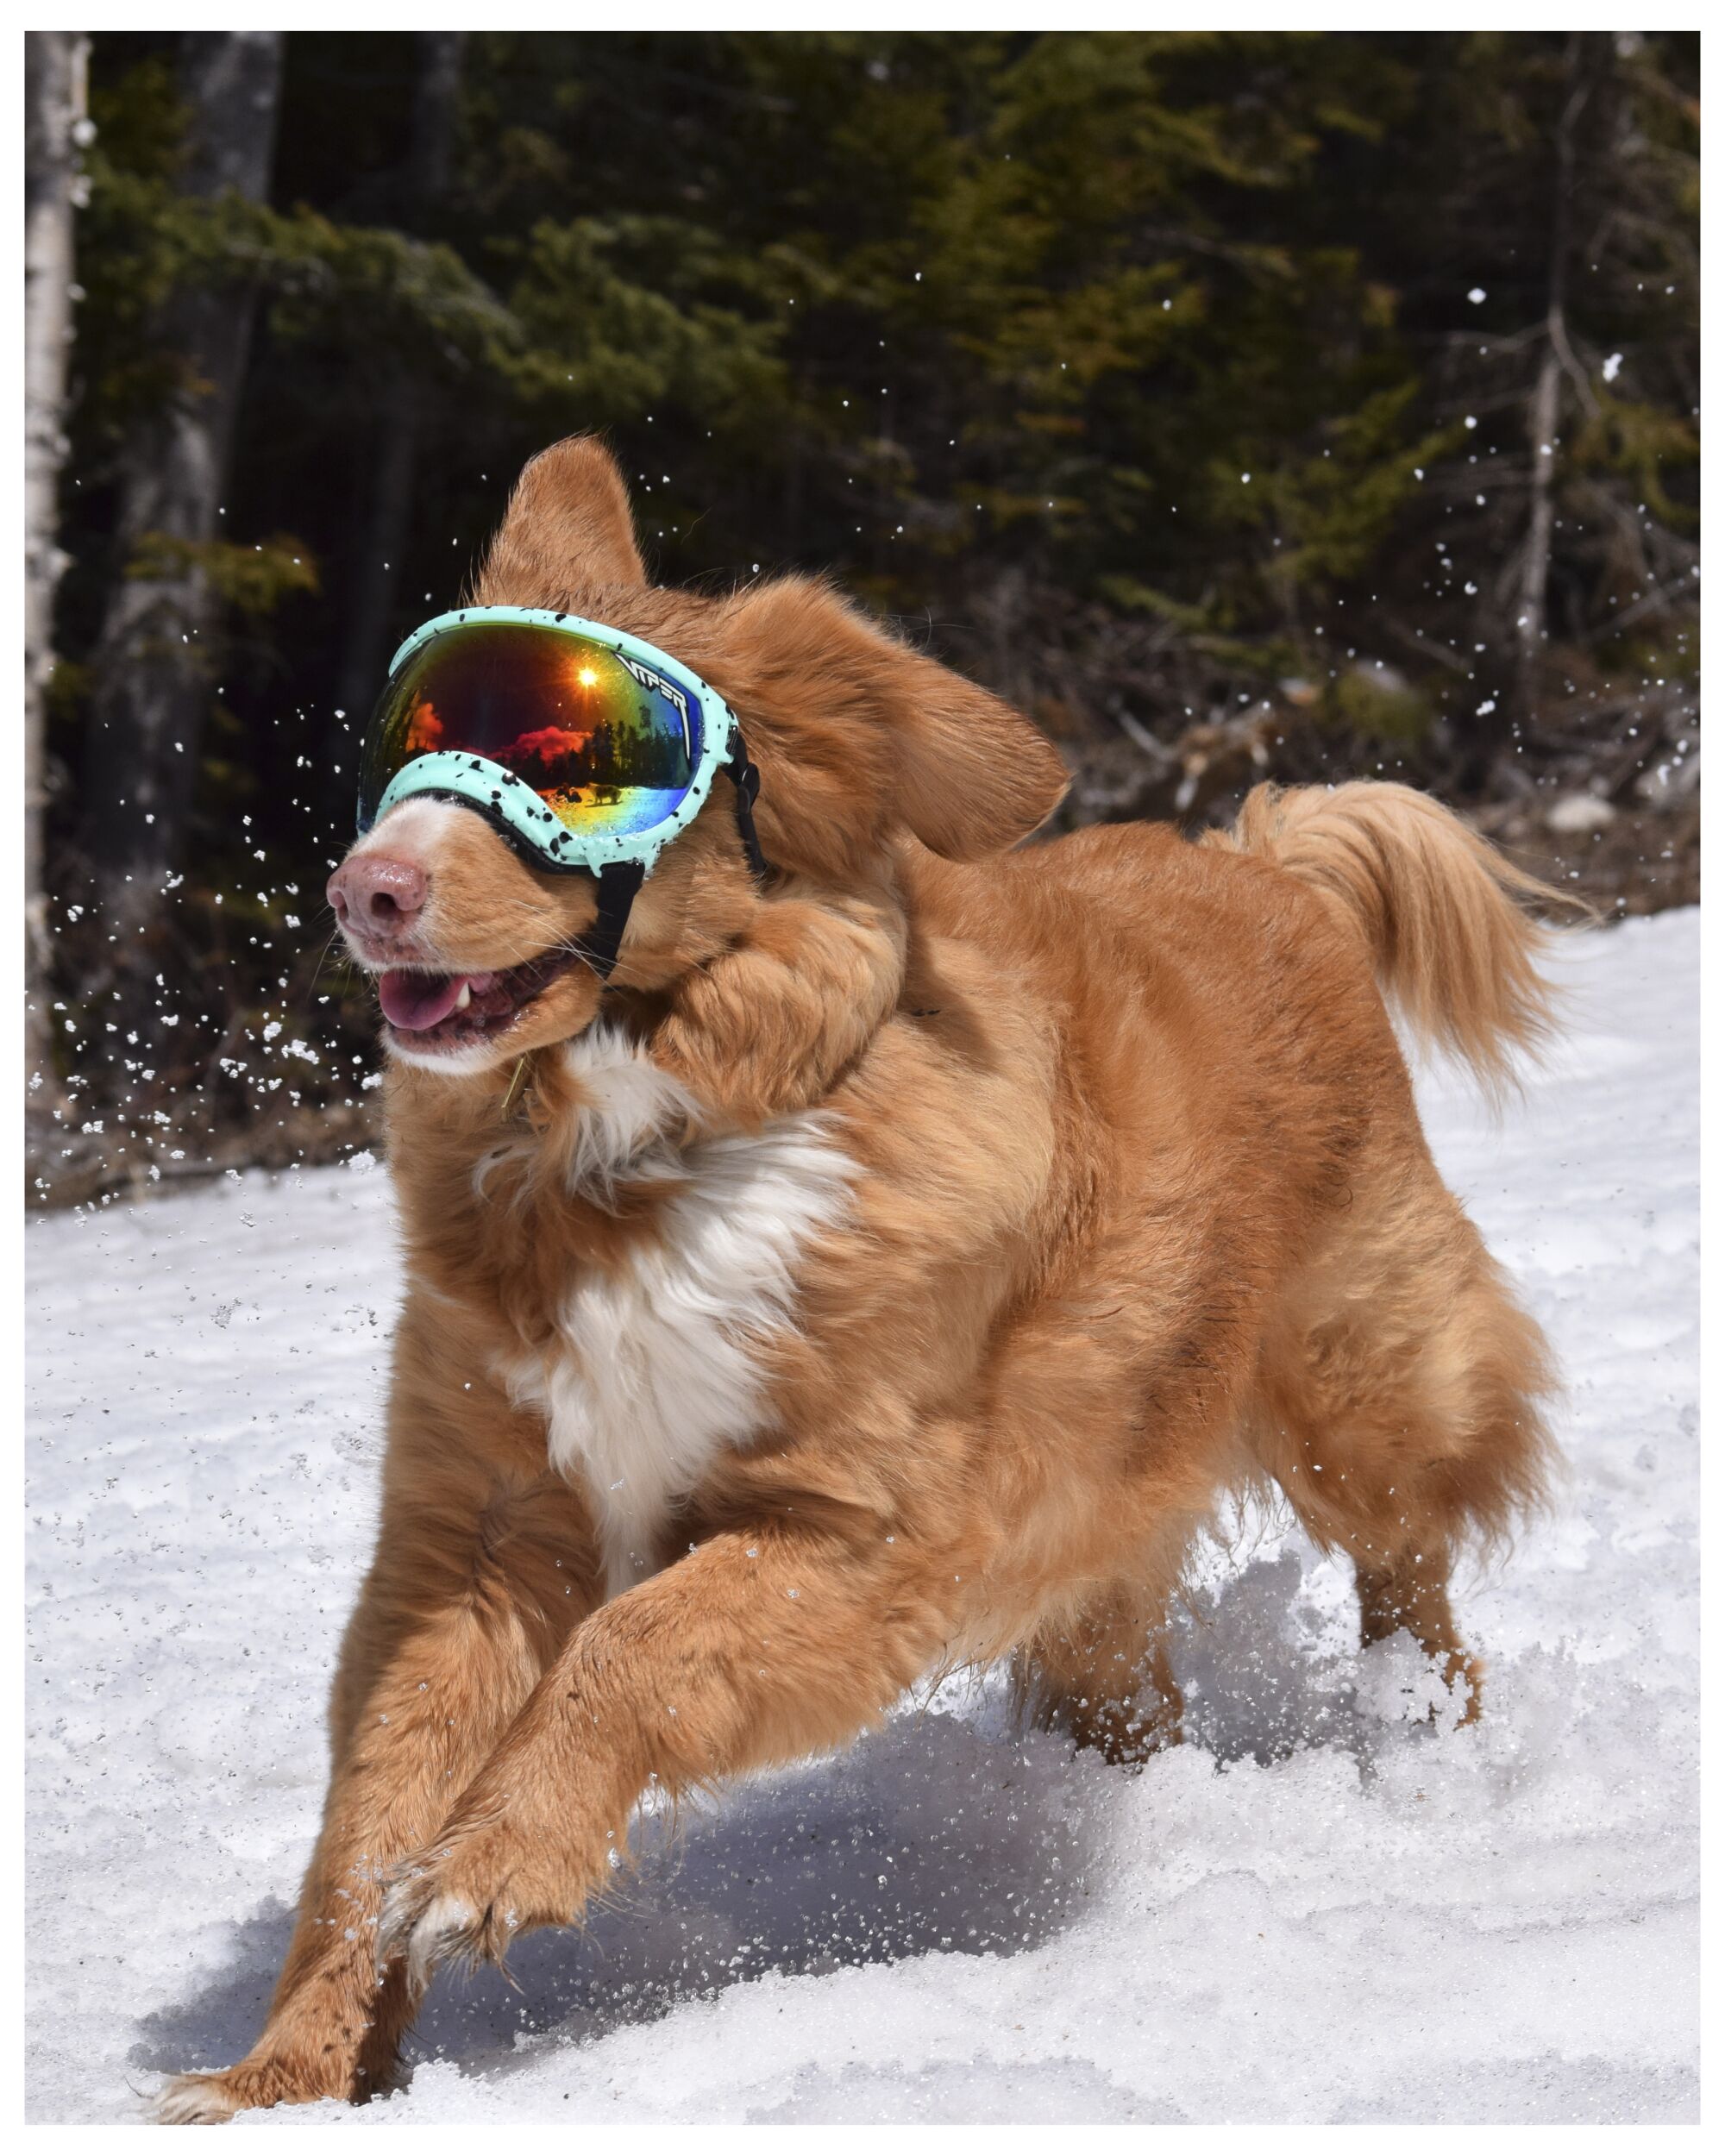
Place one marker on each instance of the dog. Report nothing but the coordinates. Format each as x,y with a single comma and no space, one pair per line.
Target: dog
894,1265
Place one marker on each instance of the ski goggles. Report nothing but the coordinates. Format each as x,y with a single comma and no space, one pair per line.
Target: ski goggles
586,748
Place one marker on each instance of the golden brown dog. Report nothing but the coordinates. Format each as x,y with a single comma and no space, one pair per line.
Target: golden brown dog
896,1267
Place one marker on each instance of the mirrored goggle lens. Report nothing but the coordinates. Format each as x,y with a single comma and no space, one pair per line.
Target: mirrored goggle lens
609,743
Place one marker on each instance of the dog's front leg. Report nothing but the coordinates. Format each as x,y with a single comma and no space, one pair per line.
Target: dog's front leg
451,1632
757,1647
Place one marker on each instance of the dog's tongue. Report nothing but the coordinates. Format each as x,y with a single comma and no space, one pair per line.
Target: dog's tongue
418,1001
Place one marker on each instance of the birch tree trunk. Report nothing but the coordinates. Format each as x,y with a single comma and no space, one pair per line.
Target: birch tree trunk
153,681
436,103
54,65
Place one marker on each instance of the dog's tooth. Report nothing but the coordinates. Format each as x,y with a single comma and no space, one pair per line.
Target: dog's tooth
466,997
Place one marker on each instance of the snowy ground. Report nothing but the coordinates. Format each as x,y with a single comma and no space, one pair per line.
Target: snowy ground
1320,1910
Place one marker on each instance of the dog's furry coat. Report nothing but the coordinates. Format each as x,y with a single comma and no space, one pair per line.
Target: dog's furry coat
900,1272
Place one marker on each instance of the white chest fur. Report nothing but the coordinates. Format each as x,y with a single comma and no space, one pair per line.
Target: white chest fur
657,1362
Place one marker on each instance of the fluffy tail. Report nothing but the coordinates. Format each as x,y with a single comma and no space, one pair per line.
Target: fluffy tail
1440,910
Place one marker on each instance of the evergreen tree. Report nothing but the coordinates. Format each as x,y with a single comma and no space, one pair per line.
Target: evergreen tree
1235,402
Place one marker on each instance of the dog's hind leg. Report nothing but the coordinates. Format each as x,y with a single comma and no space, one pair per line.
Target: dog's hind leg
1410,1593
1102,1675
1399,1407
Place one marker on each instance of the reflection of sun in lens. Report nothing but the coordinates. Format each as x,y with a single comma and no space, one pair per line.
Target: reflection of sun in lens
588,677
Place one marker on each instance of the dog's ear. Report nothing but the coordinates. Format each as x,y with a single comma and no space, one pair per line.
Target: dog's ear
568,532
855,733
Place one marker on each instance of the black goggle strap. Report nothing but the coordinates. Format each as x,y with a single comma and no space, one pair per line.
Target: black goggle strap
746,780
619,881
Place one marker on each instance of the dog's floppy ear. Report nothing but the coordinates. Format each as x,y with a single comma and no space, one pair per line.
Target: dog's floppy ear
567,532
870,734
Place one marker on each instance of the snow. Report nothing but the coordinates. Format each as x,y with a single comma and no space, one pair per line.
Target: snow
1322,1907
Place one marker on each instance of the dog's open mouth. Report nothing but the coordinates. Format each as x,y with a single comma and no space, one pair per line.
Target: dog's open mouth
456,1010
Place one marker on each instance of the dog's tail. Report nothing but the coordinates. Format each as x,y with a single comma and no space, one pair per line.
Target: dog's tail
1443,913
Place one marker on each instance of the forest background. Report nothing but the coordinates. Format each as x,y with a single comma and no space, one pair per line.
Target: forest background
1239,404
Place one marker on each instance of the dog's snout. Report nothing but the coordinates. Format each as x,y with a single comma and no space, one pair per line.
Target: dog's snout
378,896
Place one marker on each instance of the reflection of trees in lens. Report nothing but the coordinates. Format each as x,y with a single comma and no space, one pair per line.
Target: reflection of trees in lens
635,748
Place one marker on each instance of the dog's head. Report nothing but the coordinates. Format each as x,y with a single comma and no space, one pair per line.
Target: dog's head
860,742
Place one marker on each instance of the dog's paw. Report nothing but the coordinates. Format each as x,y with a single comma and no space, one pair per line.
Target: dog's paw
197,2100
492,1876
255,2084
426,1926
467,1901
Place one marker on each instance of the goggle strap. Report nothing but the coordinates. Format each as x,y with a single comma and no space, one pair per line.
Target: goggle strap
746,780
618,881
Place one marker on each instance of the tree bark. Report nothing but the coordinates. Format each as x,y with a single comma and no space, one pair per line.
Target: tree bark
152,664
366,650
55,124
